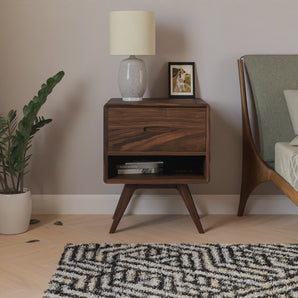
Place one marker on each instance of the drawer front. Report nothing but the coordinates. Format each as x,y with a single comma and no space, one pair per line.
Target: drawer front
170,117
137,130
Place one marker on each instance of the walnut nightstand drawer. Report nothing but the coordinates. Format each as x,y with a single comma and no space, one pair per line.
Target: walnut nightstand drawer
143,117
162,129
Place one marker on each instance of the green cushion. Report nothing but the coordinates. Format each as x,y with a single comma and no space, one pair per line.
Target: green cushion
269,75
291,97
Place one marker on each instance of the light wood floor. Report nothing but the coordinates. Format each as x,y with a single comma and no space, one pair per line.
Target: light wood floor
26,268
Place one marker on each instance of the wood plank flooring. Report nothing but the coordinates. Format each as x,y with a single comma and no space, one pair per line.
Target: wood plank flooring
26,268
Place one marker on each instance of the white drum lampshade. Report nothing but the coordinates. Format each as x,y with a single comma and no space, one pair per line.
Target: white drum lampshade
132,33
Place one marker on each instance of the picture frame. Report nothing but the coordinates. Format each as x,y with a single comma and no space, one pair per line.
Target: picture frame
181,79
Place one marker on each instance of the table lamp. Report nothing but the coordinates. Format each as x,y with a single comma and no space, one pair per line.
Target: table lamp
132,33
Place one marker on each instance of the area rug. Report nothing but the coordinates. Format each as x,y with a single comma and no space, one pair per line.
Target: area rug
176,270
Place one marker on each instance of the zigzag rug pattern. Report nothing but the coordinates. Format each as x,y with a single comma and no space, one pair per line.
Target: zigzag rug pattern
176,270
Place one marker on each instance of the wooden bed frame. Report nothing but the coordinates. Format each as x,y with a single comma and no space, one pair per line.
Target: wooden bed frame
254,170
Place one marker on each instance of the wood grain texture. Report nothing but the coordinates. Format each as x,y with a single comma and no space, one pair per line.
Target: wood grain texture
158,179
157,127
254,170
180,117
158,102
161,139
206,163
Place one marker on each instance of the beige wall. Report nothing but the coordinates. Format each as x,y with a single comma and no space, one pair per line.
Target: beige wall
39,38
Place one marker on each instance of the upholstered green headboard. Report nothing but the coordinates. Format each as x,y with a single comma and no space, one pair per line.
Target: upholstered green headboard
269,75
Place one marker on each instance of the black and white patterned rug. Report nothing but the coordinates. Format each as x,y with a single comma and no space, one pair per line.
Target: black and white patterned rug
176,270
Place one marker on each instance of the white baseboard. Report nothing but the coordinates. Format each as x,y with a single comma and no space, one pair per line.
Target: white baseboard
160,204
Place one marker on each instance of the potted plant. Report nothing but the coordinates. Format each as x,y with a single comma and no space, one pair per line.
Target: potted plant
15,142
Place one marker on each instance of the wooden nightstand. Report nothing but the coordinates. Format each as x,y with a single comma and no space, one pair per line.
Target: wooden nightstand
175,131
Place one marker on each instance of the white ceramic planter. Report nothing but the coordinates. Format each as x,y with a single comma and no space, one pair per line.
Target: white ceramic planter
15,212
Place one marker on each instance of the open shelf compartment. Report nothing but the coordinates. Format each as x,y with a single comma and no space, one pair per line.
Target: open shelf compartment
175,169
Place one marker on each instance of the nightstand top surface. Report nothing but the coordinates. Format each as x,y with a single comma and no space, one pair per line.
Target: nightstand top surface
159,102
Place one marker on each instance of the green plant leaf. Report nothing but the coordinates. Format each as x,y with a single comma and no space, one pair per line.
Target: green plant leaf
33,240
16,138
58,223
12,115
34,221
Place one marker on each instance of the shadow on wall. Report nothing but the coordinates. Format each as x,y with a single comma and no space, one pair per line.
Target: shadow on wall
49,151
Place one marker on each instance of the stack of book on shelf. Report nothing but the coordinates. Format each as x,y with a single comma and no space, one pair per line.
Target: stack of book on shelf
140,167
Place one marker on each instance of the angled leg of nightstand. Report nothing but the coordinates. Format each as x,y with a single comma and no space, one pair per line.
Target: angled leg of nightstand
125,197
129,189
124,193
188,200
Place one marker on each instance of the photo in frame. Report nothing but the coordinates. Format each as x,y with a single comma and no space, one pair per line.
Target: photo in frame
181,79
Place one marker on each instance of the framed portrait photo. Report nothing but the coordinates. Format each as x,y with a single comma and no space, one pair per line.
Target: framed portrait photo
181,79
